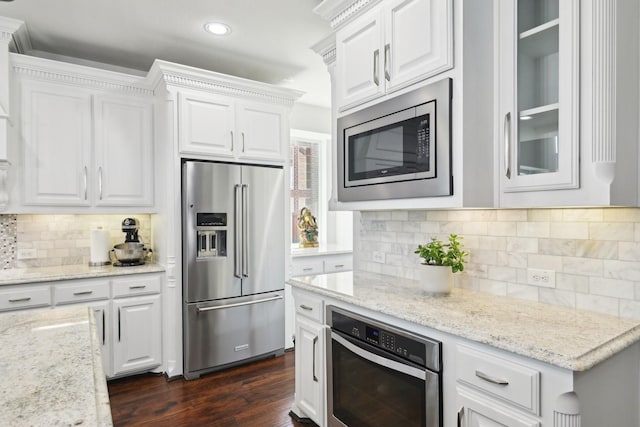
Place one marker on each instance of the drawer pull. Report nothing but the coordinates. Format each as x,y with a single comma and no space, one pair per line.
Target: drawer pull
83,293
306,307
25,299
339,265
307,269
138,287
491,379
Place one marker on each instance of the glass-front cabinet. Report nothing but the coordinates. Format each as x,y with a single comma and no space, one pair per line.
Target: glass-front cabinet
538,87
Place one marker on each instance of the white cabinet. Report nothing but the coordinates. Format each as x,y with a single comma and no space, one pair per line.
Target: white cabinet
392,46
310,356
478,411
229,128
23,297
539,94
82,145
317,264
123,151
56,127
137,334
136,324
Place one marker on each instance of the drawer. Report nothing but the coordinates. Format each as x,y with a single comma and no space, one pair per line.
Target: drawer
135,285
25,297
499,377
338,263
69,293
309,306
305,268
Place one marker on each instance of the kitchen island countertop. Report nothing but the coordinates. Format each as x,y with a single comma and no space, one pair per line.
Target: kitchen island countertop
565,337
16,276
51,369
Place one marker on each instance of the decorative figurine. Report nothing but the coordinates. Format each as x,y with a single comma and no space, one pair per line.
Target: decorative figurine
308,229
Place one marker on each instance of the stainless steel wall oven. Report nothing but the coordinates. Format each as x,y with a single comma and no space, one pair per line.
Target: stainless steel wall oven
398,148
379,375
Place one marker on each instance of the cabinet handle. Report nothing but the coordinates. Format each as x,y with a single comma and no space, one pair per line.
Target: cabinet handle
387,61
119,325
306,307
339,265
100,181
83,293
491,379
507,145
307,269
86,171
103,329
231,132
376,61
138,287
460,415
313,365
25,299
242,142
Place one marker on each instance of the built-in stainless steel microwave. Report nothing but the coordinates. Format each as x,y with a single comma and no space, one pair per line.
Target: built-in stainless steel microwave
399,148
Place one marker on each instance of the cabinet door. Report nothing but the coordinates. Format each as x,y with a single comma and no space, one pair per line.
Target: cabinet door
136,334
359,61
103,316
476,411
539,95
310,343
262,131
123,172
206,125
418,41
56,126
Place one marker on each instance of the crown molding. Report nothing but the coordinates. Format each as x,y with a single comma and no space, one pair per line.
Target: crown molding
339,12
182,76
327,49
78,75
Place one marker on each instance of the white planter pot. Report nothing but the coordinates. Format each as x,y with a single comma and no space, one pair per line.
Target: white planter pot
436,279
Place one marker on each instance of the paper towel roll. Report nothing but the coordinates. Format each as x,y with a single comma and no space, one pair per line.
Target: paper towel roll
99,247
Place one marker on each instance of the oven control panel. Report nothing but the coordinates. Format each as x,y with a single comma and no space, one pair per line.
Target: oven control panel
403,344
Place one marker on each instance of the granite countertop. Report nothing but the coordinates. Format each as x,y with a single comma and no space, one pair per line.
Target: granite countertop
323,249
565,337
18,276
62,381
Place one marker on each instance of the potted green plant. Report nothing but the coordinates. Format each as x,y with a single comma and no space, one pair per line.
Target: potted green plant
441,261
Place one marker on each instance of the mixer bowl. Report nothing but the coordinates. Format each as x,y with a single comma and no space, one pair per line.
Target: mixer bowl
130,252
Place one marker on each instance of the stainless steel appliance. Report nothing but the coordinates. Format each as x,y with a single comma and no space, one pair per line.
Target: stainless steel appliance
132,252
379,375
399,148
233,264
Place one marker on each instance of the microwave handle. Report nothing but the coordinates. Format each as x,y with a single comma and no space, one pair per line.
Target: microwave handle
376,63
507,145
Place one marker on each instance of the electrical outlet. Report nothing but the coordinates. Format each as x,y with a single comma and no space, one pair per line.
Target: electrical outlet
378,257
539,277
27,253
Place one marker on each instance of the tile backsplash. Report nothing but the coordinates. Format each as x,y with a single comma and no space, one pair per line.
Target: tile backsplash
595,252
59,239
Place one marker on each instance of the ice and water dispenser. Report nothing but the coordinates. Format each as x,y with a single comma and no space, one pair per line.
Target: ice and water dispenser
212,234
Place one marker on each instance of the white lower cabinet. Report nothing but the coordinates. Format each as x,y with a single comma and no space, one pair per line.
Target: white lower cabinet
136,334
478,411
310,358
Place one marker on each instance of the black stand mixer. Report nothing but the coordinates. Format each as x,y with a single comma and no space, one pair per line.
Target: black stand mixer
131,252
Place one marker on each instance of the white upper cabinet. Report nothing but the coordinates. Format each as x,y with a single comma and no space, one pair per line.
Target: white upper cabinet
224,127
123,151
81,144
56,129
539,87
566,87
391,46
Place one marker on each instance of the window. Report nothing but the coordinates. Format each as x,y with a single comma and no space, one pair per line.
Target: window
308,186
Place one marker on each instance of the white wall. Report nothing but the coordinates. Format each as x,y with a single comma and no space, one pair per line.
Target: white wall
311,118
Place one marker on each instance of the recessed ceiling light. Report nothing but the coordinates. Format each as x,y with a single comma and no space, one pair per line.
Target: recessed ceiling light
217,28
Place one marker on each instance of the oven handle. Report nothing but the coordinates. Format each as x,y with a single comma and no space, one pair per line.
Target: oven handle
379,360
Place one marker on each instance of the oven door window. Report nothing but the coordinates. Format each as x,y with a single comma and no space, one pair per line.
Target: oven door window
393,148
368,394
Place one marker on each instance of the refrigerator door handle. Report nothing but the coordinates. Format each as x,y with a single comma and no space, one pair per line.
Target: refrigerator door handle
239,304
245,230
237,260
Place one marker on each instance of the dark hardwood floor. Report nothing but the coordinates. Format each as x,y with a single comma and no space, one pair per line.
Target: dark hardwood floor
258,394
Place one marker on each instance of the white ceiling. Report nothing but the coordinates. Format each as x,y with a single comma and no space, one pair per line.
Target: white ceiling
270,39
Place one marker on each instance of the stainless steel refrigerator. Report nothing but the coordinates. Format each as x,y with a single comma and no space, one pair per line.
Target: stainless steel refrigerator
233,264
